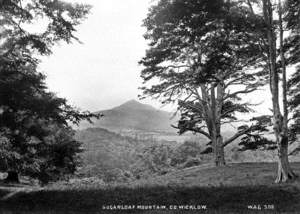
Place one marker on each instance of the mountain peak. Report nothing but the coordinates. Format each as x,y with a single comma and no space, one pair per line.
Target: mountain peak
133,115
133,104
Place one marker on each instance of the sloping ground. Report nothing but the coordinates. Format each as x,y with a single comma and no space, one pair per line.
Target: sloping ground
235,174
229,189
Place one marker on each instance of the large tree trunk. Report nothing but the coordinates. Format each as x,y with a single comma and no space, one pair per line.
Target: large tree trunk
12,177
283,68
218,149
216,107
220,157
285,172
219,153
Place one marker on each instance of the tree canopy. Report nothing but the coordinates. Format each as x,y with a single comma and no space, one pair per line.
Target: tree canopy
35,124
199,52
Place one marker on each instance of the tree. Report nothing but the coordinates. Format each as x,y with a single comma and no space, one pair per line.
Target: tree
57,20
292,16
275,29
58,156
199,52
291,50
34,123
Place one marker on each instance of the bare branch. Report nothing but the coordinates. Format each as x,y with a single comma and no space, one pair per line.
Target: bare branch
245,91
197,130
237,135
250,6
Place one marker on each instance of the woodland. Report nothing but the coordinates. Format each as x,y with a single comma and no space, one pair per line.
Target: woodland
204,57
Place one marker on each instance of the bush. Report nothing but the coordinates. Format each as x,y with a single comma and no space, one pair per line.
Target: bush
191,162
189,149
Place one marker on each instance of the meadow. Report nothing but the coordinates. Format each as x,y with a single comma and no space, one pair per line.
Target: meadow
235,188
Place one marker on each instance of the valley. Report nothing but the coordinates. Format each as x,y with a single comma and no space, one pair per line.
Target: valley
118,149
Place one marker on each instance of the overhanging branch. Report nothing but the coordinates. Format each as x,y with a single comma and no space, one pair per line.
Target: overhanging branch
237,135
200,131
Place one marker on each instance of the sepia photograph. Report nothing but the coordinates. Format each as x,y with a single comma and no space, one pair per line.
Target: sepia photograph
149,106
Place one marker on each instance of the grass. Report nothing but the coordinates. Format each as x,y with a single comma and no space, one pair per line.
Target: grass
229,189
237,174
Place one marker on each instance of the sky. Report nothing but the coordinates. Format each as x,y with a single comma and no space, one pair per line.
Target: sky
103,72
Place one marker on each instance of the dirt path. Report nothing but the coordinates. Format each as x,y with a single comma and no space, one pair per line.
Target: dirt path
14,190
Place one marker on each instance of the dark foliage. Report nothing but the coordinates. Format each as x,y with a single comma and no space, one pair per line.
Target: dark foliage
36,137
255,139
294,105
59,17
292,14
199,51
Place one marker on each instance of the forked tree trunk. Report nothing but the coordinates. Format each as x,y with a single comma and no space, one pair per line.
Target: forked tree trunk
12,177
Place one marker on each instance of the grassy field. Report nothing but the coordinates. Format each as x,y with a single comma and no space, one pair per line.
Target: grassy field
236,188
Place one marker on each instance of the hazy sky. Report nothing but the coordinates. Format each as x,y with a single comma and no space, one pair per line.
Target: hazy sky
103,72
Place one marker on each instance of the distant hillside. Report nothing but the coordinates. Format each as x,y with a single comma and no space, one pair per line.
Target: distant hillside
108,155
133,115
105,151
